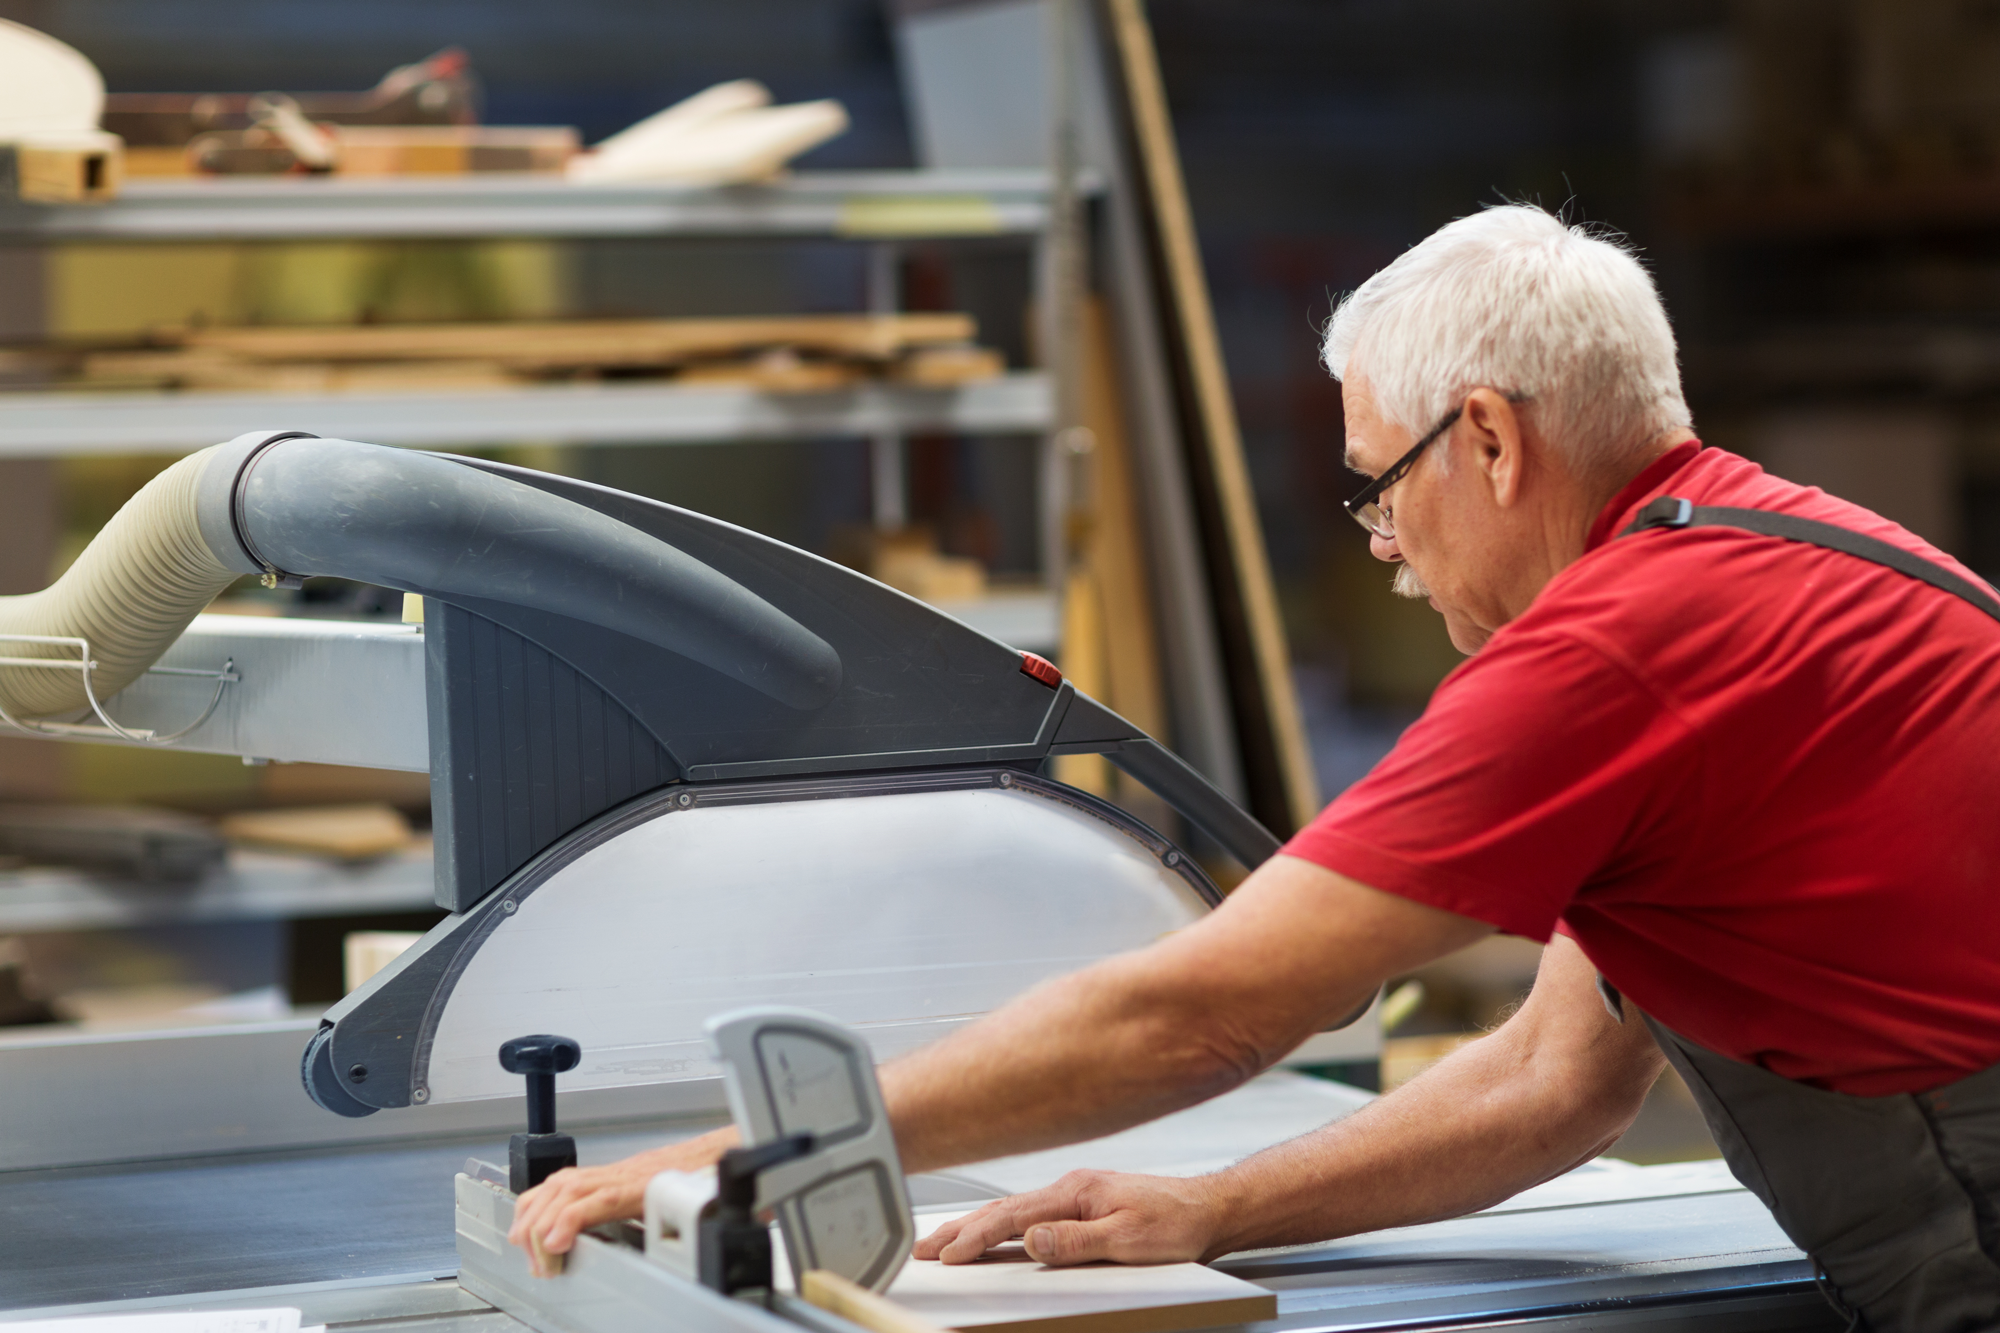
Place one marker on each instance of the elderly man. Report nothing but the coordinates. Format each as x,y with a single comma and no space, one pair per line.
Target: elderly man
1738,780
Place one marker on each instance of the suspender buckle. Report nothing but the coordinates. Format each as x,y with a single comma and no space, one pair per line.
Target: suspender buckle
1669,511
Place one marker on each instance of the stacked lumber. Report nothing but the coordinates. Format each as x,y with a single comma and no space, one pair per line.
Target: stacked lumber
140,842
344,832
793,353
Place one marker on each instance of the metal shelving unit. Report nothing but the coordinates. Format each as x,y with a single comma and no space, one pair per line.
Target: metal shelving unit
872,205
37,424
880,209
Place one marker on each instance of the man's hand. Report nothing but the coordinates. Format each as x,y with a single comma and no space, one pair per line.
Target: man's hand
1089,1216
548,1217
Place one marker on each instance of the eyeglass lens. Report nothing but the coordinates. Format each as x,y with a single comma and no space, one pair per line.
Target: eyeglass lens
1375,518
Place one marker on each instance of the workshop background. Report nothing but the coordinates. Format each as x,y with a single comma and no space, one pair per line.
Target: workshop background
1815,182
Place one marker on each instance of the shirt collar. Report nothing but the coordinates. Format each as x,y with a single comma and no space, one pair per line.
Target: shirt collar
1639,490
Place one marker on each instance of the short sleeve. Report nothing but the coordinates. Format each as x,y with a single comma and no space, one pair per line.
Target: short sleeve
1542,765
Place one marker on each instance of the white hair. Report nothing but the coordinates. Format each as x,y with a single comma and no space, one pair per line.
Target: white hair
1512,299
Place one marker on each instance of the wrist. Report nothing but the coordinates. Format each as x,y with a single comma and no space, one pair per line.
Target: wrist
1227,1204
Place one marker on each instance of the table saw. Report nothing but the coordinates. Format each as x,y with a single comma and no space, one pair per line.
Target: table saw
677,769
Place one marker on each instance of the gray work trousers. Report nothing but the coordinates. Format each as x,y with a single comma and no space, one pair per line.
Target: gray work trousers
1897,1199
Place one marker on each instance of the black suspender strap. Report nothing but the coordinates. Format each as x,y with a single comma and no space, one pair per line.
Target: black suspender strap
1673,512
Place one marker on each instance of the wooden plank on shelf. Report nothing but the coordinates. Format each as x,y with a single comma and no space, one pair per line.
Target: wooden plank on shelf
348,832
589,342
1284,792
61,172
203,368
946,365
780,370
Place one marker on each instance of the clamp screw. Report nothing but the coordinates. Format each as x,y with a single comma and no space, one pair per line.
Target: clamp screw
1172,859
508,905
1005,779
534,1156
684,800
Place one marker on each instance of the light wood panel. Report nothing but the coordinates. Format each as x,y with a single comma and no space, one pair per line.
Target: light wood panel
1008,1291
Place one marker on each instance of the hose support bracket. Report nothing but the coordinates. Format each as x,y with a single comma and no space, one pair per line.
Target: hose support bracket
108,728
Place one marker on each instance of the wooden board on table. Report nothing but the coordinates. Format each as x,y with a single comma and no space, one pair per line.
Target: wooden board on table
1008,1291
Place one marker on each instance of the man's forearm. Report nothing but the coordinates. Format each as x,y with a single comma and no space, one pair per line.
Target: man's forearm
1079,1057
1485,1123
1143,1034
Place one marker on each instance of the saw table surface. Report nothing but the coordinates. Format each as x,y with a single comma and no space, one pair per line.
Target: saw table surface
374,1214
361,1236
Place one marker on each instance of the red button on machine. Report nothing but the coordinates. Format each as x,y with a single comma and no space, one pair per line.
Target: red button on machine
1041,669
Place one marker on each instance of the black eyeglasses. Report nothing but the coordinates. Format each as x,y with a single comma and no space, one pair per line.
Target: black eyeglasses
1366,507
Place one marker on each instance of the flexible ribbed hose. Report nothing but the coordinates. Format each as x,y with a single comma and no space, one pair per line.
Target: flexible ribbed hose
130,594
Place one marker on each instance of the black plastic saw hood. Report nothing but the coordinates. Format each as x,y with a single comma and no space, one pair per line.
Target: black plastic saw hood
584,647
540,721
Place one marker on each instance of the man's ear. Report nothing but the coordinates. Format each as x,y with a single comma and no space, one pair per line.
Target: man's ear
1498,447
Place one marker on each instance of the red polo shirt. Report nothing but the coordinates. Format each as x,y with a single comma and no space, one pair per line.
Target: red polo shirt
1757,781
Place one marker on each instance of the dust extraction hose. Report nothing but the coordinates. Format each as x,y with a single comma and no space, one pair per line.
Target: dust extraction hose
129,595
289,505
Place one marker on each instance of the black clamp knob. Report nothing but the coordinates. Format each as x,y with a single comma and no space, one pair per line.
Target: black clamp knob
734,1248
541,1152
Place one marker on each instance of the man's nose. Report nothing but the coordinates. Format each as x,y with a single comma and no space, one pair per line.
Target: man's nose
1384,548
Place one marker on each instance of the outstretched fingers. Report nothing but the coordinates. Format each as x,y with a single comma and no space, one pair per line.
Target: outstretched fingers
1089,1216
931,1246
964,1240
